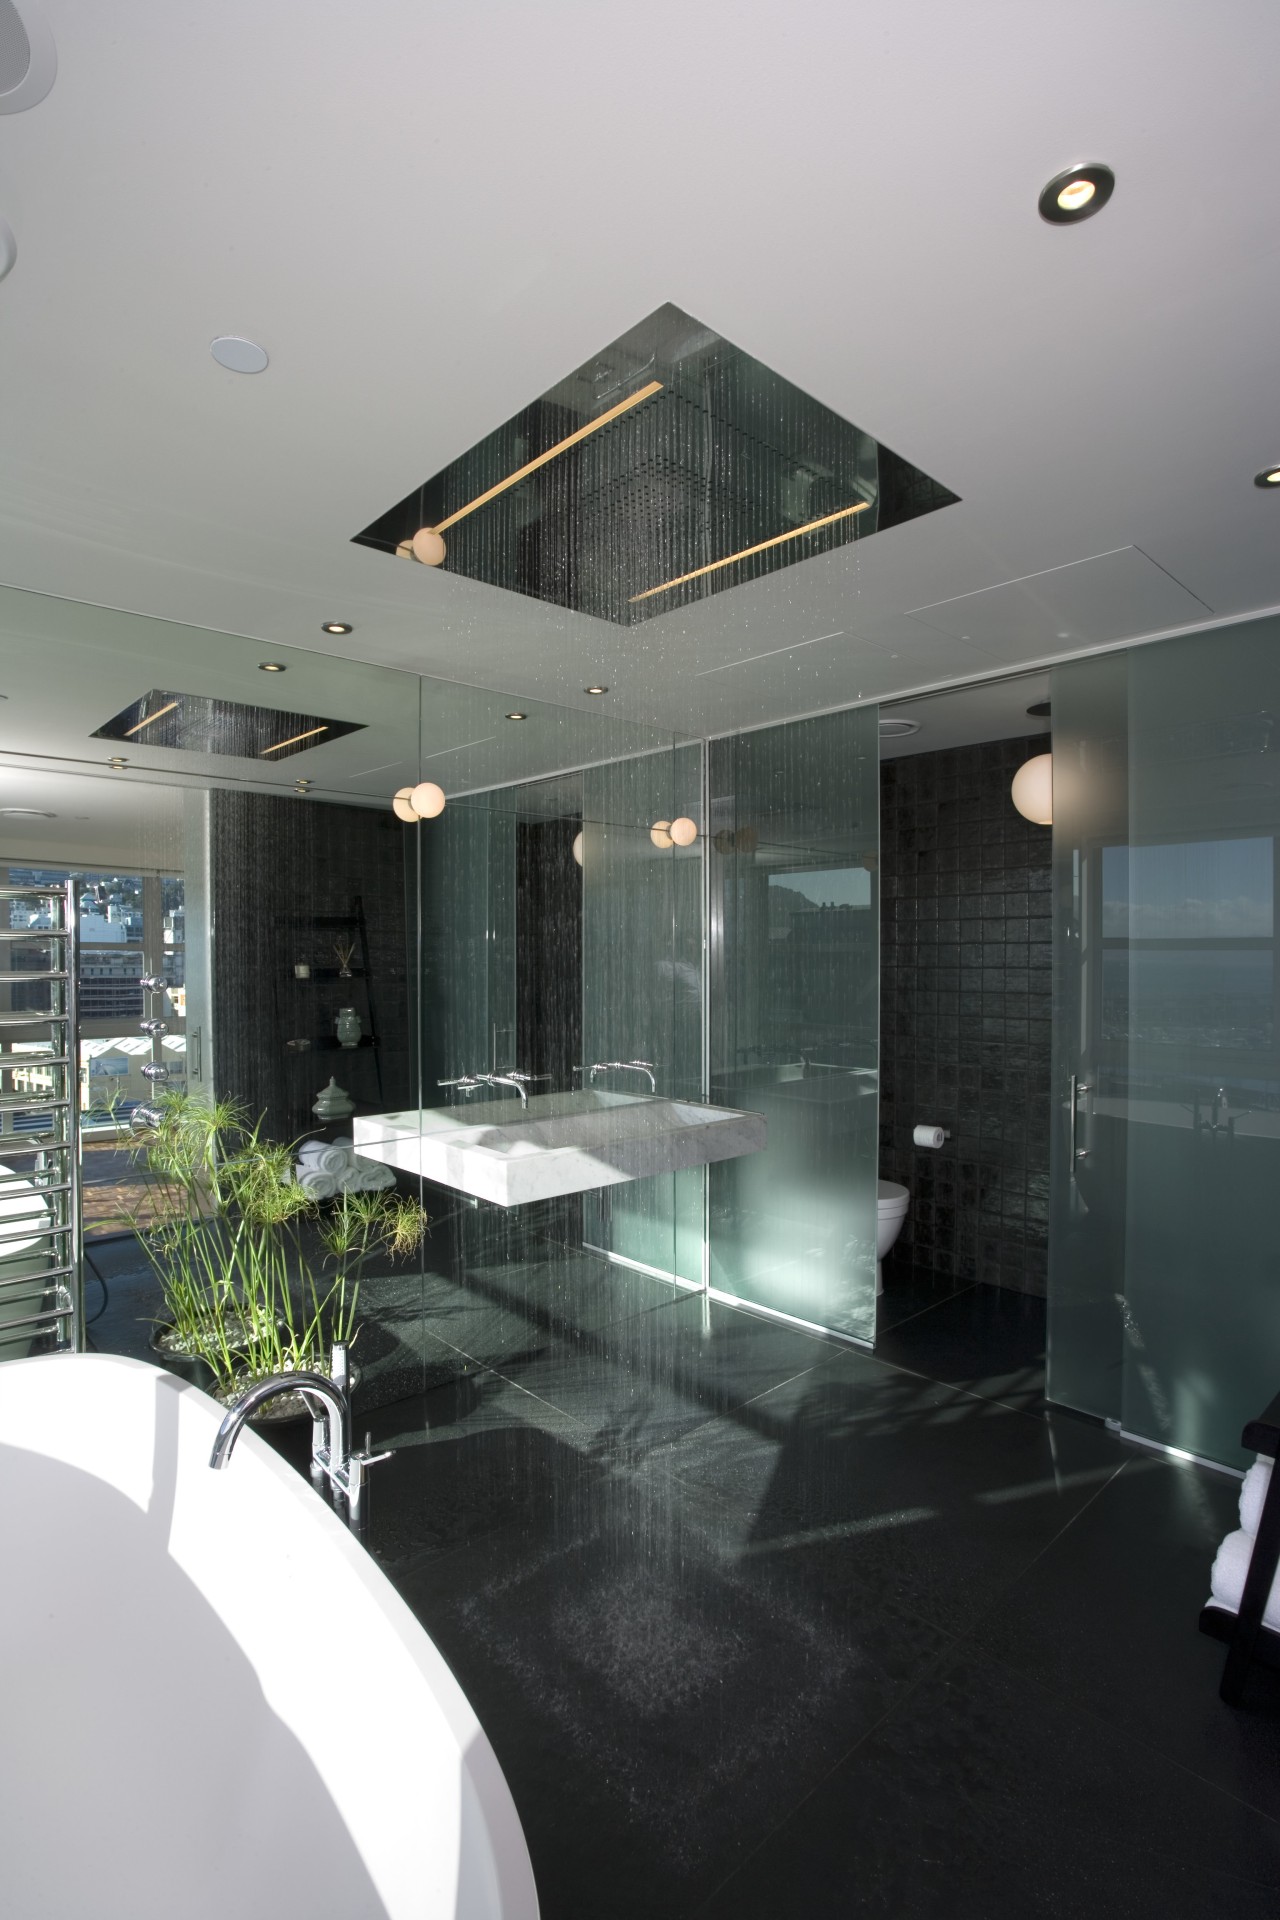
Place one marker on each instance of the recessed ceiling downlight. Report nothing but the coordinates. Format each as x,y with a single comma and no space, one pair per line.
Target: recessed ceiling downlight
272,666
238,355
1269,477
1077,193
891,728
337,626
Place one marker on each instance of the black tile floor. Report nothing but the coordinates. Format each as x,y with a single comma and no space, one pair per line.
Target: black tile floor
760,1625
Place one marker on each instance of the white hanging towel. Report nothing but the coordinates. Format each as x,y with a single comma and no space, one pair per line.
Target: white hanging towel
1253,1491
1227,1578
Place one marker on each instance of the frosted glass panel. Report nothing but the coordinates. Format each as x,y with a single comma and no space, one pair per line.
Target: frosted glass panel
1164,1281
1203,1277
794,841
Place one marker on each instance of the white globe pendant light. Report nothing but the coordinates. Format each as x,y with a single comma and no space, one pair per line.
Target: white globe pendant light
427,800
1032,790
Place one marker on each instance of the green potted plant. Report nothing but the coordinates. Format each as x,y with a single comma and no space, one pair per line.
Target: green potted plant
257,1277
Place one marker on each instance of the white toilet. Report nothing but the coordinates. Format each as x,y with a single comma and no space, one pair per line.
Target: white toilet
892,1202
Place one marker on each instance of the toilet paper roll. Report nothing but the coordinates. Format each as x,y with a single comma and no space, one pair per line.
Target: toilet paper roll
928,1136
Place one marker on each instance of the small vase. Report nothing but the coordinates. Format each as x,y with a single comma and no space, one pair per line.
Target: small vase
347,1027
333,1103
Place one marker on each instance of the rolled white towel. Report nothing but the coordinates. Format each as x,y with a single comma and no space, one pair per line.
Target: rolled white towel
375,1176
345,1141
316,1184
328,1157
1226,1583
1253,1491
350,1180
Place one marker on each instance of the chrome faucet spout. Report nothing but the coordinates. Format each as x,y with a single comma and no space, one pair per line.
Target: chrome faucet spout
515,1080
334,1415
624,1066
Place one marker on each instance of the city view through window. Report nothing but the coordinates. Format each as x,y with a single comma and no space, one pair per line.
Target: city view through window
130,925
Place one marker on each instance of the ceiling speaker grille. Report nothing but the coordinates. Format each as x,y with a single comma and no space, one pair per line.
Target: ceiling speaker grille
15,48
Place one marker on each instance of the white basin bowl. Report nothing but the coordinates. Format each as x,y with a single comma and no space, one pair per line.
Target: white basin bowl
561,1143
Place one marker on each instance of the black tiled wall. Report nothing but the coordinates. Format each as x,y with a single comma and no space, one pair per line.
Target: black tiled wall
278,865
965,1014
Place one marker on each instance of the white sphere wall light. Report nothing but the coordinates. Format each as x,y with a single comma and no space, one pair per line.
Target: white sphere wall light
684,831
402,807
1032,790
660,834
427,800
428,547
577,848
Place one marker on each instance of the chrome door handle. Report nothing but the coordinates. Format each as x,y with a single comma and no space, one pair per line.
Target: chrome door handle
1077,1088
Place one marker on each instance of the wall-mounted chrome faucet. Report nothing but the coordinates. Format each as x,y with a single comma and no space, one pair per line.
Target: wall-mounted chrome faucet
472,1082
624,1066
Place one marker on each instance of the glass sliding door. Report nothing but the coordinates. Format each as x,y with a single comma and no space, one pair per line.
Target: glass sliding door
1165,1287
794,943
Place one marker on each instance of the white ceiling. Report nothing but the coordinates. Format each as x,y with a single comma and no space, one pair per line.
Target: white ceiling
429,216
966,716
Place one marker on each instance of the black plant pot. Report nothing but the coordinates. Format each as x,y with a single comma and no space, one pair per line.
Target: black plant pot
284,1408
187,1366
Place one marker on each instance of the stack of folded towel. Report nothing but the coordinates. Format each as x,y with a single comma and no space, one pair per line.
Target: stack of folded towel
1232,1563
326,1168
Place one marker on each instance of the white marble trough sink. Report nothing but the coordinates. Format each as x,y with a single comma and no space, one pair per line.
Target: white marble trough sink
560,1143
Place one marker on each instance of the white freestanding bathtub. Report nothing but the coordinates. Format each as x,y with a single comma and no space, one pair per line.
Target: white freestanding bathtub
212,1702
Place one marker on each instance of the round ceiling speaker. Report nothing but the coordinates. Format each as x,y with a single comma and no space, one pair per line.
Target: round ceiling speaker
28,58
238,355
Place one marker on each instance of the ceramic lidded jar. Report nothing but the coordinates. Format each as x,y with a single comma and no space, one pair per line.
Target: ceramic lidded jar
333,1102
347,1027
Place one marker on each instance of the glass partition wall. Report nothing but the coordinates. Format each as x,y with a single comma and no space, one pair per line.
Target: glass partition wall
1164,1282
795,966
527,969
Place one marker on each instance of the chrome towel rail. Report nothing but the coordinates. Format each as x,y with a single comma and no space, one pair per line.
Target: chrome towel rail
52,1229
